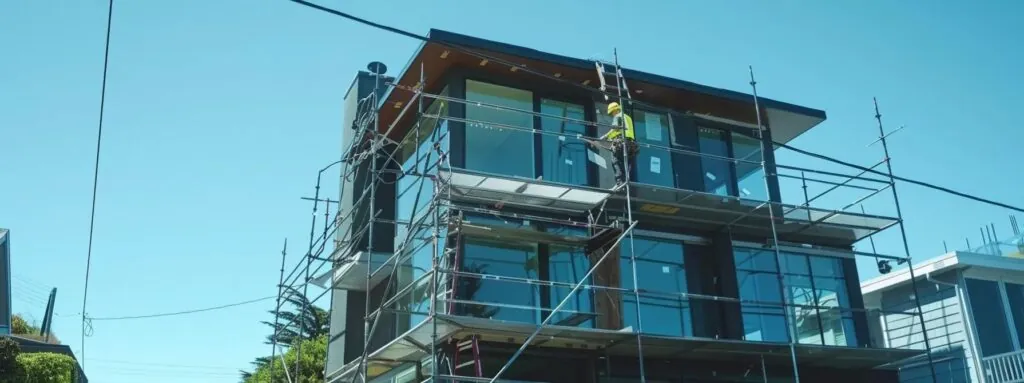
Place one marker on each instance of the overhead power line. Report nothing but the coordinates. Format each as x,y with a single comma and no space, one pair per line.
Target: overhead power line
598,91
96,172
183,312
907,180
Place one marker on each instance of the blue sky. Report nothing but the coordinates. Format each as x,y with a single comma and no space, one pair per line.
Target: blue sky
220,113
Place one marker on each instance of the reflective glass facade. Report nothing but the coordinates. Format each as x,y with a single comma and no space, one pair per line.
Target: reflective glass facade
563,157
815,294
414,193
661,276
491,145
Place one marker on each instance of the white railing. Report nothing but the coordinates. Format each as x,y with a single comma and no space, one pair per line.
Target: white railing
1004,368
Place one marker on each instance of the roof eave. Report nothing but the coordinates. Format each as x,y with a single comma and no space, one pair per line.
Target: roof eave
445,37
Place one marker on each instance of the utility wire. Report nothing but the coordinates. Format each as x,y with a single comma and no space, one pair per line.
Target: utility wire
184,312
598,91
96,173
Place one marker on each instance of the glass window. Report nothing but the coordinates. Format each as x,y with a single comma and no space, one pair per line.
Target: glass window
654,165
564,157
1015,294
491,146
661,272
757,276
749,176
418,156
569,265
509,300
989,317
815,287
717,171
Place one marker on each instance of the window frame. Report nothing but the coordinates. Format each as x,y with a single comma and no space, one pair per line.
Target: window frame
543,255
852,335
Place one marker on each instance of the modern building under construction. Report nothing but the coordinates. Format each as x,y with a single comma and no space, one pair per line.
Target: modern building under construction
482,237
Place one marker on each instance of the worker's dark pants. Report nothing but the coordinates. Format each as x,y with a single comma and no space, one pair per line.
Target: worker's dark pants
619,160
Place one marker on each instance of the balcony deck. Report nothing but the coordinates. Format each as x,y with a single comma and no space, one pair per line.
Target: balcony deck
414,345
697,210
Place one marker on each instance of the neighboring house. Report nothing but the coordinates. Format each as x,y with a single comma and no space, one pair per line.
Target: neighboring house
5,281
973,305
490,210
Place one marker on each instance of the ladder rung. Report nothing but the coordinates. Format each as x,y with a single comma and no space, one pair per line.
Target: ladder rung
465,364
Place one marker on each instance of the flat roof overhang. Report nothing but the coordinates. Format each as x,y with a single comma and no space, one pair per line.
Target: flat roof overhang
414,345
982,265
787,121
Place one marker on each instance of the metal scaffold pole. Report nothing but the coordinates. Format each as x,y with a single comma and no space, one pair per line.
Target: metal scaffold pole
629,221
277,311
378,70
775,235
903,235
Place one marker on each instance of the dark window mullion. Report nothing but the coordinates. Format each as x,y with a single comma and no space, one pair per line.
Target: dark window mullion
538,151
814,294
544,274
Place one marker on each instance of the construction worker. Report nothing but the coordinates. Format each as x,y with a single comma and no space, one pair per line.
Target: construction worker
621,121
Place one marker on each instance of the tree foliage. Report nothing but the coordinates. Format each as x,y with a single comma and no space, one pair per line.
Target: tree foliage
46,367
305,321
311,364
302,324
10,370
20,326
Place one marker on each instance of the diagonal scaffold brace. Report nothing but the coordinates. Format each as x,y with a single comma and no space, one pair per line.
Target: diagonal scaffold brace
568,297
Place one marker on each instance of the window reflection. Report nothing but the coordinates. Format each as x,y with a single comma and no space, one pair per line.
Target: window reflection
492,148
661,272
749,176
654,165
815,289
569,265
492,257
564,156
716,171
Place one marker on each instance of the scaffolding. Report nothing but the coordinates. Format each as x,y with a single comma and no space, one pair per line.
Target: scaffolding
424,299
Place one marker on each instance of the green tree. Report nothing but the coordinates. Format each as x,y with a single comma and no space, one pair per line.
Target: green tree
303,322
20,326
10,370
311,364
47,367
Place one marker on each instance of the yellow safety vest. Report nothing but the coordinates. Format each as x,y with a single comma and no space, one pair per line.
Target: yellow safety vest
629,127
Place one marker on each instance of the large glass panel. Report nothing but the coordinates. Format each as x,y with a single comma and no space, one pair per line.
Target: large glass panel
989,317
654,165
1015,294
509,300
662,277
833,301
757,276
800,293
490,146
564,157
749,176
569,265
414,192
717,172
816,295
418,156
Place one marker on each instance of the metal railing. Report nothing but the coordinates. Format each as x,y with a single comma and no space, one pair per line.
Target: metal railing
1004,368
